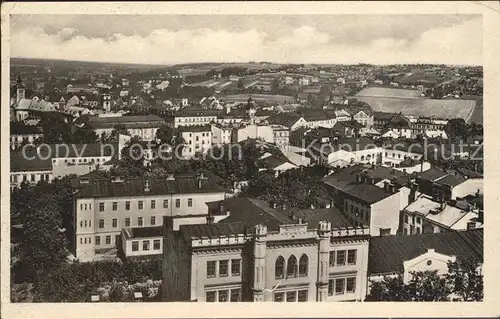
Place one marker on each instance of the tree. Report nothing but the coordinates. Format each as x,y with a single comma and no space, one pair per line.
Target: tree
456,129
423,286
465,279
241,86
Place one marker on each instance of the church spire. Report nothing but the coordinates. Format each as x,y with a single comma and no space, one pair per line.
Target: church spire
20,83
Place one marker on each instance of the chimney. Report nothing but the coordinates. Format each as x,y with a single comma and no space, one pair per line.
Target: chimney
471,225
210,219
386,186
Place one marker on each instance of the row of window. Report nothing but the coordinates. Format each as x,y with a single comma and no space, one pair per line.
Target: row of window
224,295
88,240
32,177
338,257
413,219
140,205
196,119
82,160
340,286
146,245
223,268
292,269
291,296
364,214
140,222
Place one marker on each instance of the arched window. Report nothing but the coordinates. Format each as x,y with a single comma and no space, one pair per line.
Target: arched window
279,270
291,269
362,158
303,265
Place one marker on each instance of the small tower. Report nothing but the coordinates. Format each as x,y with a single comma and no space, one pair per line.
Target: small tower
324,233
20,89
259,275
106,102
251,109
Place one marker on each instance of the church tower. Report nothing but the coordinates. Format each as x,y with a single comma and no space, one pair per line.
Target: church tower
20,89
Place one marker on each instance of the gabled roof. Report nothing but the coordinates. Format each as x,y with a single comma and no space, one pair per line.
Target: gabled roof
387,253
286,119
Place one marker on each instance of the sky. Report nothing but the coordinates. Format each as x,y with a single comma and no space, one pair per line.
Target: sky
174,39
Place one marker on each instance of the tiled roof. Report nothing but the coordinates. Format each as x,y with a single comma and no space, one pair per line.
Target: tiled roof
345,181
157,186
431,174
313,216
451,180
136,121
144,232
195,128
30,162
271,162
387,253
286,119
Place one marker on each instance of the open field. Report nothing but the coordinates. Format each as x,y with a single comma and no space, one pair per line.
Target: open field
374,91
259,97
445,109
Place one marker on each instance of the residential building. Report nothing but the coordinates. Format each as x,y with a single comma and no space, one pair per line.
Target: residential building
221,134
103,207
402,255
21,134
192,117
347,151
259,253
281,136
428,215
141,126
197,139
29,169
370,197
437,183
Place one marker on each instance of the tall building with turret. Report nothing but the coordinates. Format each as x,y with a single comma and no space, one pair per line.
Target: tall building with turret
259,252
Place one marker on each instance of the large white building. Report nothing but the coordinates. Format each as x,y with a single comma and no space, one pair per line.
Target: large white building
141,126
104,207
197,139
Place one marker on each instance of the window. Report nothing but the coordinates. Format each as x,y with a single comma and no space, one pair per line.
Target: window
156,244
90,240
223,295
140,204
302,295
153,204
101,223
145,245
81,224
419,220
153,220
279,296
108,240
210,296
351,256
279,268
32,177
101,207
97,240
223,268
330,287
115,222
291,269
332,258
81,206
385,231
127,222
115,205
340,257
413,219
139,221
211,265
235,267
190,202
406,219
303,265
351,284
405,231
178,203
127,205
291,296
165,203
235,295
135,246
339,286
